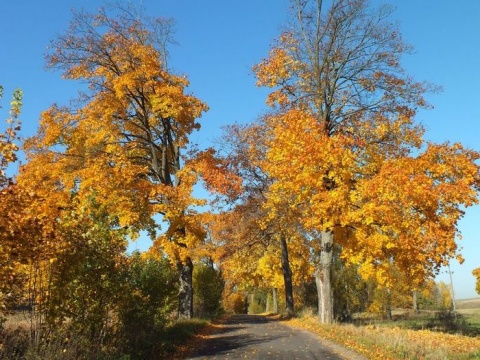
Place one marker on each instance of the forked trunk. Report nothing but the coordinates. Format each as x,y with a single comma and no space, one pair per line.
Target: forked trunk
323,278
185,291
287,277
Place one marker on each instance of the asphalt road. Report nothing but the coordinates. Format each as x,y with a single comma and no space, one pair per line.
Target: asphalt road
260,337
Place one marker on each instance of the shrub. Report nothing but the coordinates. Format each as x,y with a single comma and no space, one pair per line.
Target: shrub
208,287
449,322
150,299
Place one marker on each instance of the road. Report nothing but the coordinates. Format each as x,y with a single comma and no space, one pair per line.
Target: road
260,337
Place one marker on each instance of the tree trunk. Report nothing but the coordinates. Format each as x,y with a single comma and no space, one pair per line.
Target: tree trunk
415,302
323,278
287,277
267,304
275,300
185,292
388,309
246,303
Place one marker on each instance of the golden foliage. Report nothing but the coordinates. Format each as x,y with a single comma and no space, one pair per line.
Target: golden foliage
476,273
8,139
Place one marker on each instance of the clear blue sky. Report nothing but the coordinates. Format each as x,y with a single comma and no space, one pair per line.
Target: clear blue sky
219,41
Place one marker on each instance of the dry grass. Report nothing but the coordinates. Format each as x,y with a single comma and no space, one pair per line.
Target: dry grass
376,342
16,320
468,304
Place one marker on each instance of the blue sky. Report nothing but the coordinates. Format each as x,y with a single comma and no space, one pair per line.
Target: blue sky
219,41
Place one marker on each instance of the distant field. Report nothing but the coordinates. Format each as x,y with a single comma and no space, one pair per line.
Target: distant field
468,303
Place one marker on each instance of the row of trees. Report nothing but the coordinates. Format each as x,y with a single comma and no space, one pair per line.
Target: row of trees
354,296
338,169
334,183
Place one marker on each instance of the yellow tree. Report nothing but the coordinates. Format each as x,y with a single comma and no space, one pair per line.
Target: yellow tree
476,273
10,250
249,254
121,141
275,221
25,234
342,124
8,139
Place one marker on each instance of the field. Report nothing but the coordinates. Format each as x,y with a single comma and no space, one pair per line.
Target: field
428,335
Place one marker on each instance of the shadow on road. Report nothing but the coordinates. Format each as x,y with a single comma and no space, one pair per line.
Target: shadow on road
231,335
249,319
263,337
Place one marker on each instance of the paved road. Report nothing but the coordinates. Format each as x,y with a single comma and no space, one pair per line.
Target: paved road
259,337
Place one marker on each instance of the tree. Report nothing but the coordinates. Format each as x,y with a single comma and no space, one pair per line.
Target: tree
343,147
10,252
476,273
8,145
86,281
208,285
150,296
121,142
250,254
273,222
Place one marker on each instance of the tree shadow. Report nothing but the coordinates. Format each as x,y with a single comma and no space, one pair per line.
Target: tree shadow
221,345
223,341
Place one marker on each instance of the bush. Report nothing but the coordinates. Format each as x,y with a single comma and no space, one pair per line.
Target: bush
449,322
13,344
151,298
208,287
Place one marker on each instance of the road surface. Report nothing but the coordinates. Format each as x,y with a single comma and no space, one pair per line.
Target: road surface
260,337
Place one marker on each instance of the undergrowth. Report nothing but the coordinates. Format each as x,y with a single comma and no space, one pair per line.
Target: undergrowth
63,343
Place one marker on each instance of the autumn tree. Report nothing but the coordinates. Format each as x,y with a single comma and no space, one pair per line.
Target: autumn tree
121,142
25,233
253,252
343,147
9,139
476,273
9,276
272,225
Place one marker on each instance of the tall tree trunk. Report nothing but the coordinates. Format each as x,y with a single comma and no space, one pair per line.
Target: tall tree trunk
275,300
388,307
267,304
415,302
185,292
323,278
287,277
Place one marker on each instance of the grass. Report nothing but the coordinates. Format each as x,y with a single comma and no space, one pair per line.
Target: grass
409,336
377,342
